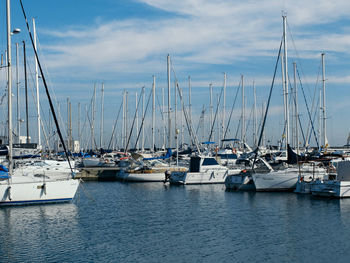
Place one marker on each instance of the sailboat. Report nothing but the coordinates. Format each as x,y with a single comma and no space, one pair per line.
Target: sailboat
20,189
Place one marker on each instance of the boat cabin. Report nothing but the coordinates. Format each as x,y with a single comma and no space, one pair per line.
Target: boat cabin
196,162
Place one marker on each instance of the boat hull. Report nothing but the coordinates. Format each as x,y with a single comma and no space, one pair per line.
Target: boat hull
141,177
207,177
239,182
337,189
37,192
275,181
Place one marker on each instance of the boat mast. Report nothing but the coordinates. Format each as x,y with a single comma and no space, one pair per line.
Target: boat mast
37,87
324,101
70,128
68,123
211,105
224,108
163,111
26,89
320,119
296,107
255,119
123,125
175,119
126,117
9,91
93,119
243,113
218,122
101,121
137,120
18,96
79,122
169,115
153,111
143,126
286,76
189,99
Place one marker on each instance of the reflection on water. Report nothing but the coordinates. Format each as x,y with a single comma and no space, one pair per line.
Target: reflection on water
27,230
138,222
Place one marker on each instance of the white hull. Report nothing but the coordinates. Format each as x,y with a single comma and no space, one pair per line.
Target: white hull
275,181
207,177
155,174
140,177
27,191
284,180
338,189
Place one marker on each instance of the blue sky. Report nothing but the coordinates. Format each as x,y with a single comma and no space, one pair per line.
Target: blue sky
123,43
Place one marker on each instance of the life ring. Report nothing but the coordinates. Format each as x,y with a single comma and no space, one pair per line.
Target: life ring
234,150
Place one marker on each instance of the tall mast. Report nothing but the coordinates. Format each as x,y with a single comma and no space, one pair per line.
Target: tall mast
26,89
262,117
59,117
137,120
102,115
93,119
189,99
70,128
153,110
175,119
255,119
211,105
296,106
9,79
320,118
286,76
18,96
37,87
163,111
243,113
224,108
68,135
143,126
218,121
324,101
169,115
69,124
79,122
126,118
123,126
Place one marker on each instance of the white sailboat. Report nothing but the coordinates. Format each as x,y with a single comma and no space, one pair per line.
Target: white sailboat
19,190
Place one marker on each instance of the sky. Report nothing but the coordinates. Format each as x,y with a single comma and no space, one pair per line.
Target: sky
124,43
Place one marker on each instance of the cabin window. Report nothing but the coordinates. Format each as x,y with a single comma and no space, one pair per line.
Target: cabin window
210,161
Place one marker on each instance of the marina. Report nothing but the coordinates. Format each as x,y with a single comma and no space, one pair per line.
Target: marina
174,136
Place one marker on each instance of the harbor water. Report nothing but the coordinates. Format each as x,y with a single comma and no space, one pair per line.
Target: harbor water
135,222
